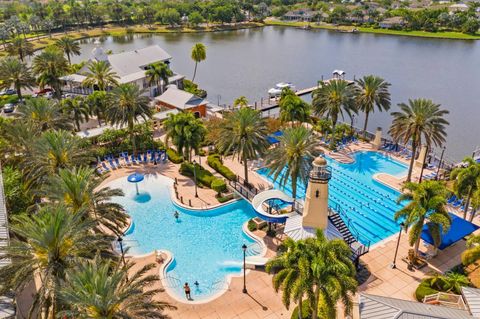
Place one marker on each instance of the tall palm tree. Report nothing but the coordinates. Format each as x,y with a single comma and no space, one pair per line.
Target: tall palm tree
185,131
68,46
14,72
466,181
42,114
20,47
293,273
76,108
426,200
44,246
101,288
292,159
244,134
127,105
373,93
98,103
334,98
100,76
293,108
79,189
472,253
419,121
333,276
198,54
158,74
50,65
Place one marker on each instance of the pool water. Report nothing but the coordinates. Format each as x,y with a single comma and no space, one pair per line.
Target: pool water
206,245
368,203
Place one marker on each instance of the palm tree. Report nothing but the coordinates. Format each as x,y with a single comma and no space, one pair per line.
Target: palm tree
14,72
426,200
199,53
50,65
240,101
293,274
42,114
333,276
157,74
292,159
97,103
419,121
68,46
20,47
100,76
472,253
293,108
77,108
466,182
373,93
79,189
334,98
244,134
127,105
186,132
101,288
44,246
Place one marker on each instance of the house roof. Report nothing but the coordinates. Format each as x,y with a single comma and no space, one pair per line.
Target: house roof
472,299
130,62
379,307
180,99
393,20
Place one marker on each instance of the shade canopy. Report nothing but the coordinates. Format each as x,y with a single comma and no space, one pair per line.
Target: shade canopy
459,229
135,177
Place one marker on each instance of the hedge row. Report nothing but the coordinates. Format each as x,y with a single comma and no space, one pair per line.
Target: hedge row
174,157
215,162
204,177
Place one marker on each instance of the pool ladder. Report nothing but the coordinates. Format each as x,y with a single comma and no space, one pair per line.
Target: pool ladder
173,282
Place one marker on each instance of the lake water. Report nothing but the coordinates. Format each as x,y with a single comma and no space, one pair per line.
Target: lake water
249,62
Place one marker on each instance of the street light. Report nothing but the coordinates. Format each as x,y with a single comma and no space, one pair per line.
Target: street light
195,176
394,265
440,163
244,248
120,240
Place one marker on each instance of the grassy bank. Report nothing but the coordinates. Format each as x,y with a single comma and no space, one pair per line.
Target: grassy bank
440,35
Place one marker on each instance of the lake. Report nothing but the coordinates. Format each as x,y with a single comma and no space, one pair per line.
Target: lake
249,62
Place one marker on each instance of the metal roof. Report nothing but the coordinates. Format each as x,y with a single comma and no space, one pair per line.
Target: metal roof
295,230
472,299
379,307
180,99
130,62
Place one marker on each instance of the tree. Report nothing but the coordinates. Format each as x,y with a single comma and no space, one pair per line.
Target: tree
244,134
198,54
373,93
44,246
158,74
76,108
20,47
50,65
102,288
68,46
170,16
42,114
240,102
14,72
100,76
126,106
186,132
466,182
292,159
17,197
97,103
426,200
472,253
195,18
333,99
293,108
471,25
420,120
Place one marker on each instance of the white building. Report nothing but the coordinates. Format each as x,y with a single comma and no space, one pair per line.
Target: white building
129,66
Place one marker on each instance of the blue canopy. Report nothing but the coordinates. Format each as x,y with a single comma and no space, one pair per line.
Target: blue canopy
458,230
272,140
135,177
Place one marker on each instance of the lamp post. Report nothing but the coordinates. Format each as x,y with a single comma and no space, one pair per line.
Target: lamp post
244,248
195,176
394,265
440,163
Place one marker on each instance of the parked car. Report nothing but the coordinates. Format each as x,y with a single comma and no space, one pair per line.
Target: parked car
48,95
41,92
8,92
9,108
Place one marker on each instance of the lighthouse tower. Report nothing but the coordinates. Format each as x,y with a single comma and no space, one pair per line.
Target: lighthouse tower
315,211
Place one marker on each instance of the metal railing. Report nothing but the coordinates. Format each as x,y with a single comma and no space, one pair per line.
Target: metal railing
247,190
445,299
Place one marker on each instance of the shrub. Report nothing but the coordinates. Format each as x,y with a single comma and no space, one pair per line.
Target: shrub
252,226
174,157
204,177
223,199
215,162
306,310
423,290
219,186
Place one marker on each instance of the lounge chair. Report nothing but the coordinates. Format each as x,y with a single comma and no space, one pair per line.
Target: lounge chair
452,199
105,167
112,164
117,162
127,161
134,161
457,203
152,156
139,159
145,158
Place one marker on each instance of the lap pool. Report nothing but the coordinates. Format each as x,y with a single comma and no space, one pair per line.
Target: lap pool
206,245
368,203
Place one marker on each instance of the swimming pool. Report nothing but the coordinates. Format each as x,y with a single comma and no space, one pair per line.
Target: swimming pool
206,245
368,203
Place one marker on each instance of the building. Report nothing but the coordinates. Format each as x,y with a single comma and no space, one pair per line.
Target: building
458,7
392,23
300,15
129,66
175,99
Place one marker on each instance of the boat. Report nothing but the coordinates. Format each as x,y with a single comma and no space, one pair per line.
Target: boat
277,90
